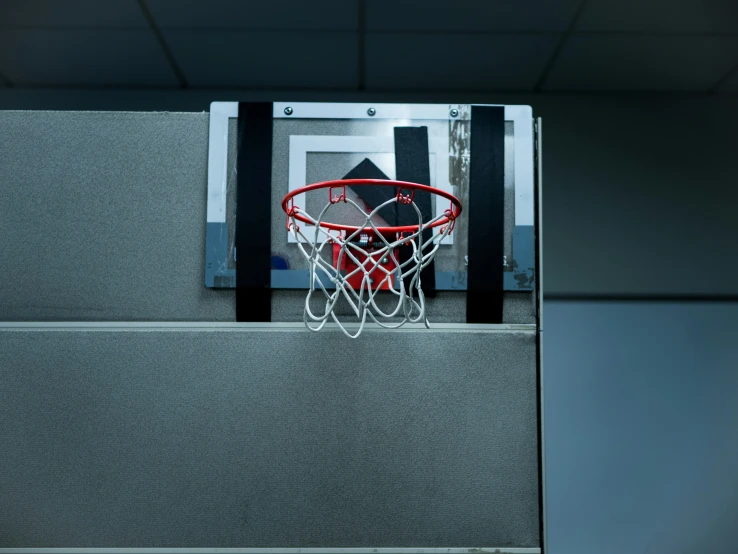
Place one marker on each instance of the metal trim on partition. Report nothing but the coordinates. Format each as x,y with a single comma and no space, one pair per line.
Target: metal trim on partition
539,292
251,326
219,550
539,260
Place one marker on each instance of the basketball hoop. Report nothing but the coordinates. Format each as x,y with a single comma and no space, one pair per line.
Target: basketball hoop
364,259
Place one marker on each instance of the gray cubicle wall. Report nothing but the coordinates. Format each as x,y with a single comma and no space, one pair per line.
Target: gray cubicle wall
103,219
151,419
225,437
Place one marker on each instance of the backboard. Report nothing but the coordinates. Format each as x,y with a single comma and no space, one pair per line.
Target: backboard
313,142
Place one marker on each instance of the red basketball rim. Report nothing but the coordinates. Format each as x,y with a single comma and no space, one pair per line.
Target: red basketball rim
450,215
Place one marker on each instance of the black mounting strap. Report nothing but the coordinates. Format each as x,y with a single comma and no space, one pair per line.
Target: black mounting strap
486,212
412,164
254,212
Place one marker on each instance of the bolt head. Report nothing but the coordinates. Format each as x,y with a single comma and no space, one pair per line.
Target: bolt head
371,111
454,113
288,111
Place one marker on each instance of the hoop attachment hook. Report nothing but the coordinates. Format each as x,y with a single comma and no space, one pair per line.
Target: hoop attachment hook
449,213
335,199
291,212
405,198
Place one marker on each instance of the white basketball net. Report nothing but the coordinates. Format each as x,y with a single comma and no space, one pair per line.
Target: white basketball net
365,252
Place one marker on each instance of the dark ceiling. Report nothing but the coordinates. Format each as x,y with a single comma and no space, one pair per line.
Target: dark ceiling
383,45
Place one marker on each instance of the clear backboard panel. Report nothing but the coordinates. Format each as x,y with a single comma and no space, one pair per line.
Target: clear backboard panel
315,142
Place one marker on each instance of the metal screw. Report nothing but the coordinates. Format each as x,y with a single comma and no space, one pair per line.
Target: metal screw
288,111
371,111
385,260
454,112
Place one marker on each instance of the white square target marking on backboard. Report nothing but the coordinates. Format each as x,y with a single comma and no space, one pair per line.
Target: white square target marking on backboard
300,145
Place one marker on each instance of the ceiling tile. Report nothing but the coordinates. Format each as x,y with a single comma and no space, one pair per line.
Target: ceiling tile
272,15
456,62
266,59
666,63
731,85
31,57
469,15
680,16
71,13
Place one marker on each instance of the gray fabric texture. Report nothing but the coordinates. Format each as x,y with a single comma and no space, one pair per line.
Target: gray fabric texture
103,219
267,438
